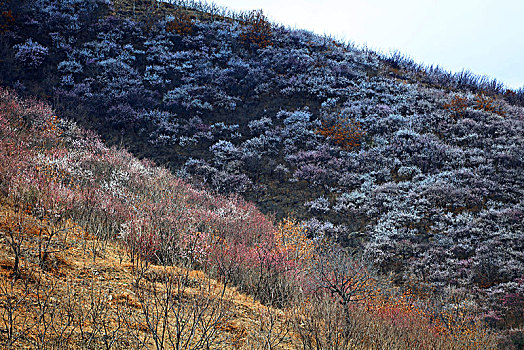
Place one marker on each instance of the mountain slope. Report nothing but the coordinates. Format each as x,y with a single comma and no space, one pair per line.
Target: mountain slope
418,170
101,250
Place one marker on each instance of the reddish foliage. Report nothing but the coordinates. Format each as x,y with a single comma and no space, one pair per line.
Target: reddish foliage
457,106
487,104
7,18
111,194
257,31
182,23
344,132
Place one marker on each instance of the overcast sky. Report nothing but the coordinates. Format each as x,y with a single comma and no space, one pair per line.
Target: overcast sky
484,36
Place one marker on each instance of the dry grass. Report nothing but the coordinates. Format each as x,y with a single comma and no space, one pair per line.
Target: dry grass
89,295
90,299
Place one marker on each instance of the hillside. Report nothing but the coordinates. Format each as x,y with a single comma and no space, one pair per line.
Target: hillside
106,300
417,171
101,250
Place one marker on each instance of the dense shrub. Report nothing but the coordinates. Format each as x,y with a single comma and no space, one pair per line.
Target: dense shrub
30,54
180,23
7,19
345,133
257,31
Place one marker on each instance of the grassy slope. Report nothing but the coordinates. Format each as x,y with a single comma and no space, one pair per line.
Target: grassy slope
92,283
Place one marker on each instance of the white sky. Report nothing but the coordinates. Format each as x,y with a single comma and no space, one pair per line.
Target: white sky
484,36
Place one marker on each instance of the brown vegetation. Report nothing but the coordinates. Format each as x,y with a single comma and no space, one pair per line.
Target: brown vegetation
181,24
458,105
257,30
7,20
344,132
112,303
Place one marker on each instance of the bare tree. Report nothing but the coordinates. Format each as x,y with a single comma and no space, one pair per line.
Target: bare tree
54,319
180,312
273,328
15,237
320,324
347,279
14,299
